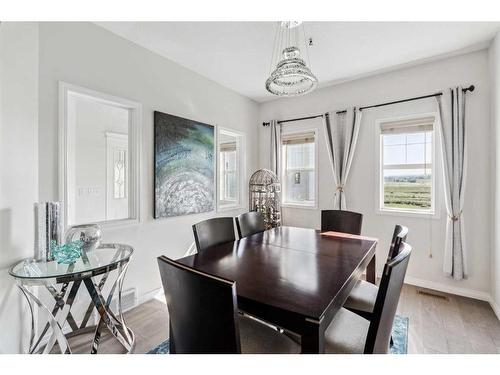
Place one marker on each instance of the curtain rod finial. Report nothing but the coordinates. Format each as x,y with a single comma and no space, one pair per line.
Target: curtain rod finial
470,88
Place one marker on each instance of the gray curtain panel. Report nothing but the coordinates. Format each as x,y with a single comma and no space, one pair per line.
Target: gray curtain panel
451,107
341,131
275,157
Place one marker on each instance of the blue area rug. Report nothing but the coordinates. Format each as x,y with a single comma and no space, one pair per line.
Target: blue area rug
163,348
399,337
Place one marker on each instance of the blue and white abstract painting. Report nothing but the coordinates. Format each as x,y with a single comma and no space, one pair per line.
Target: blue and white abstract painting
184,166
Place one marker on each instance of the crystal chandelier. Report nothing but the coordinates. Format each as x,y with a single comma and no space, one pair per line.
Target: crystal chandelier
291,77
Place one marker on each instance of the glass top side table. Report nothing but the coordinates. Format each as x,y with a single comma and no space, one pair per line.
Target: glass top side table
63,282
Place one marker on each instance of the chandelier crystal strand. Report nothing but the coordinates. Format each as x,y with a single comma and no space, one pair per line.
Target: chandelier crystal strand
275,47
291,77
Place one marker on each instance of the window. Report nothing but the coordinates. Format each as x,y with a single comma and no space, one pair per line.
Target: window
407,177
119,174
299,168
231,168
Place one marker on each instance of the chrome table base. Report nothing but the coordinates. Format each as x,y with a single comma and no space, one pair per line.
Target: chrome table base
61,313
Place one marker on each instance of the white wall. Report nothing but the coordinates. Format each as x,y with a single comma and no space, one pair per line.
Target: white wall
18,170
87,55
425,234
495,141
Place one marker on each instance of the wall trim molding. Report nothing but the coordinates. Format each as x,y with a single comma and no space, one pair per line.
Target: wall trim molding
148,296
464,292
495,307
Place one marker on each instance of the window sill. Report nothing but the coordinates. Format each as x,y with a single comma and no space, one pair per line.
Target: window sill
408,213
112,224
300,205
230,207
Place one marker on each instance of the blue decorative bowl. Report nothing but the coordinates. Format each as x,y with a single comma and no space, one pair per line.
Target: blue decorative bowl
67,253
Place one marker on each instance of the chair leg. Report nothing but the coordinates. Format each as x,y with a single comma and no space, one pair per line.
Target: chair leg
391,343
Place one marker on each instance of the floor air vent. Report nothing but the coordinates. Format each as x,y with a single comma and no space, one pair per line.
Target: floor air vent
431,293
129,300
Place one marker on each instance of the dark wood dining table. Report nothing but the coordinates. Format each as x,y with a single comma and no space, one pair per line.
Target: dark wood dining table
294,278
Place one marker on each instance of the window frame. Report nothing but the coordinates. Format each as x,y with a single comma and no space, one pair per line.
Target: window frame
67,90
436,168
314,205
241,170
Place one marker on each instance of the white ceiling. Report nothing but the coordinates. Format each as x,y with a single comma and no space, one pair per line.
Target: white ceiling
238,54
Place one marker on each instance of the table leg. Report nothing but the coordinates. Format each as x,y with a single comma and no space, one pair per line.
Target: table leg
59,297
107,319
100,286
370,271
57,333
62,315
313,338
32,314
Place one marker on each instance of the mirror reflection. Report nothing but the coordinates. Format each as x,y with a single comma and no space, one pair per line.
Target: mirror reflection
98,160
230,158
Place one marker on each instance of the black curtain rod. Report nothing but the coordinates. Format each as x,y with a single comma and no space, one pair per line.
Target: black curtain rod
470,88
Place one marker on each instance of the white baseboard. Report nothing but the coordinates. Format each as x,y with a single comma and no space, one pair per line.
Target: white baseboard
148,296
464,292
495,307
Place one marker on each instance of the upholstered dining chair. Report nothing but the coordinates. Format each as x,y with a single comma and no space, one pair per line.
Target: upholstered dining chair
250,223
362,298
341,221
350,333
213,232
204,316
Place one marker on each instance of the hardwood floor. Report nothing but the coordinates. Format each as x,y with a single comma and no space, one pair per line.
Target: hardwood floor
451,324
148,321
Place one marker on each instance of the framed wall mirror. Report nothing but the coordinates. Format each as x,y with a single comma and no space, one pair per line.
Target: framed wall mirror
99,157
231,169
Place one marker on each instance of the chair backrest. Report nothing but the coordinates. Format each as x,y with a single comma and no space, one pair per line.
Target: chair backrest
202,309
250,223
341,221
384,311
213,232
399,236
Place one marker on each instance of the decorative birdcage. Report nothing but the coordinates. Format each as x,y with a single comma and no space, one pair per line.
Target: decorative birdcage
265,196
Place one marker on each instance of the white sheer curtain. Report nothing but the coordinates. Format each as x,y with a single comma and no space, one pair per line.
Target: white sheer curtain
451,107
275,157
341,132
